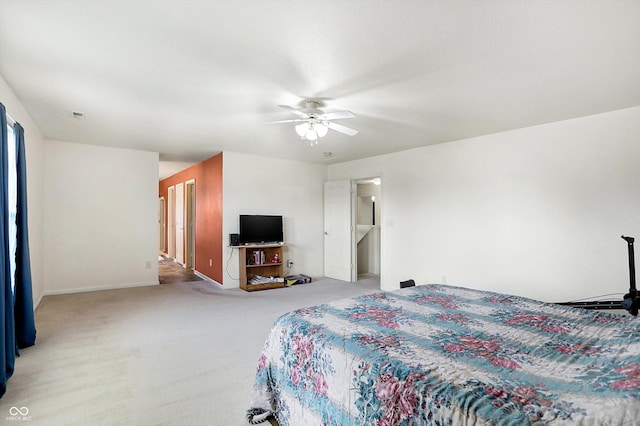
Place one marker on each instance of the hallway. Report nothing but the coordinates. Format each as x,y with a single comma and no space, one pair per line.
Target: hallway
170,272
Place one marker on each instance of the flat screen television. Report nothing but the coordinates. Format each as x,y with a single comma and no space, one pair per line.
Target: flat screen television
258,229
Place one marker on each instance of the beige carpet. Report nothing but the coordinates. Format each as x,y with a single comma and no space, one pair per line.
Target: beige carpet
180,354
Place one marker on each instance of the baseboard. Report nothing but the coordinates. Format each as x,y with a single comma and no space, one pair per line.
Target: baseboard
206,278
110,287
36,304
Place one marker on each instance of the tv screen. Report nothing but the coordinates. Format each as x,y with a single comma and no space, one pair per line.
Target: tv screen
256,229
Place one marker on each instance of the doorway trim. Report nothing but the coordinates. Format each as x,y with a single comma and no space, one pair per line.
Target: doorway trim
171,232
190,224
375,180
162,224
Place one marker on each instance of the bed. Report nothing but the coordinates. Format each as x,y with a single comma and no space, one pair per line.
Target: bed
446,355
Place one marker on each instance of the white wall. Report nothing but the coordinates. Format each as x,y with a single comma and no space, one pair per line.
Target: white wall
536,211
260,185
101,217
34,146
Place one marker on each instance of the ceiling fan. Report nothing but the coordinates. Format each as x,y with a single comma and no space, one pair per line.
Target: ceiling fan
315,123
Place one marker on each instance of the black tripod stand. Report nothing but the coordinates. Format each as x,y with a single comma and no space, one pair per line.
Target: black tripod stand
631,300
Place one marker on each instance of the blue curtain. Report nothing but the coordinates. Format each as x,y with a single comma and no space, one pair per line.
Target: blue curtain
24,320
7,329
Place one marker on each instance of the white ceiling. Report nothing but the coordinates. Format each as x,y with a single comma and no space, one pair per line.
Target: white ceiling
192,78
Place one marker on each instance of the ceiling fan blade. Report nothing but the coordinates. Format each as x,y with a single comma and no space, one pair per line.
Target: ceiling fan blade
337,115
342,129
296,120
293,110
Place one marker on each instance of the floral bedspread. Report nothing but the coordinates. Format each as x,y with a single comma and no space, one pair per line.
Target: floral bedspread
445,355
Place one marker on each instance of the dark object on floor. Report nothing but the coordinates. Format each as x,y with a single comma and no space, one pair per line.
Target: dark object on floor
407,283
290,280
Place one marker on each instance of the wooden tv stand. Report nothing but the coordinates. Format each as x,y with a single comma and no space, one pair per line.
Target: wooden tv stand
250,267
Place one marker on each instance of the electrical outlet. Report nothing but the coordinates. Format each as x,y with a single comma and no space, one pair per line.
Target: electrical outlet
289,263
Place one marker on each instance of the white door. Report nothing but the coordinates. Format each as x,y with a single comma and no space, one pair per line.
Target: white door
337,230
179,216
171,213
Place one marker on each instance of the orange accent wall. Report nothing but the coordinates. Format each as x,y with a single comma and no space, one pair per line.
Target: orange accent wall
208,212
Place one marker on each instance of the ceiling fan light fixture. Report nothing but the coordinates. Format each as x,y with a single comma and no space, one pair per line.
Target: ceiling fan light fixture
315,123
301,129
311,134
322,129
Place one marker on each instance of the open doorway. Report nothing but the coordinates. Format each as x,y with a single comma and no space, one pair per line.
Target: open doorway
352,233
367,228
177,263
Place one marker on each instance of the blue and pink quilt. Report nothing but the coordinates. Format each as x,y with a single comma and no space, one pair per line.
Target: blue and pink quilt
445,355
